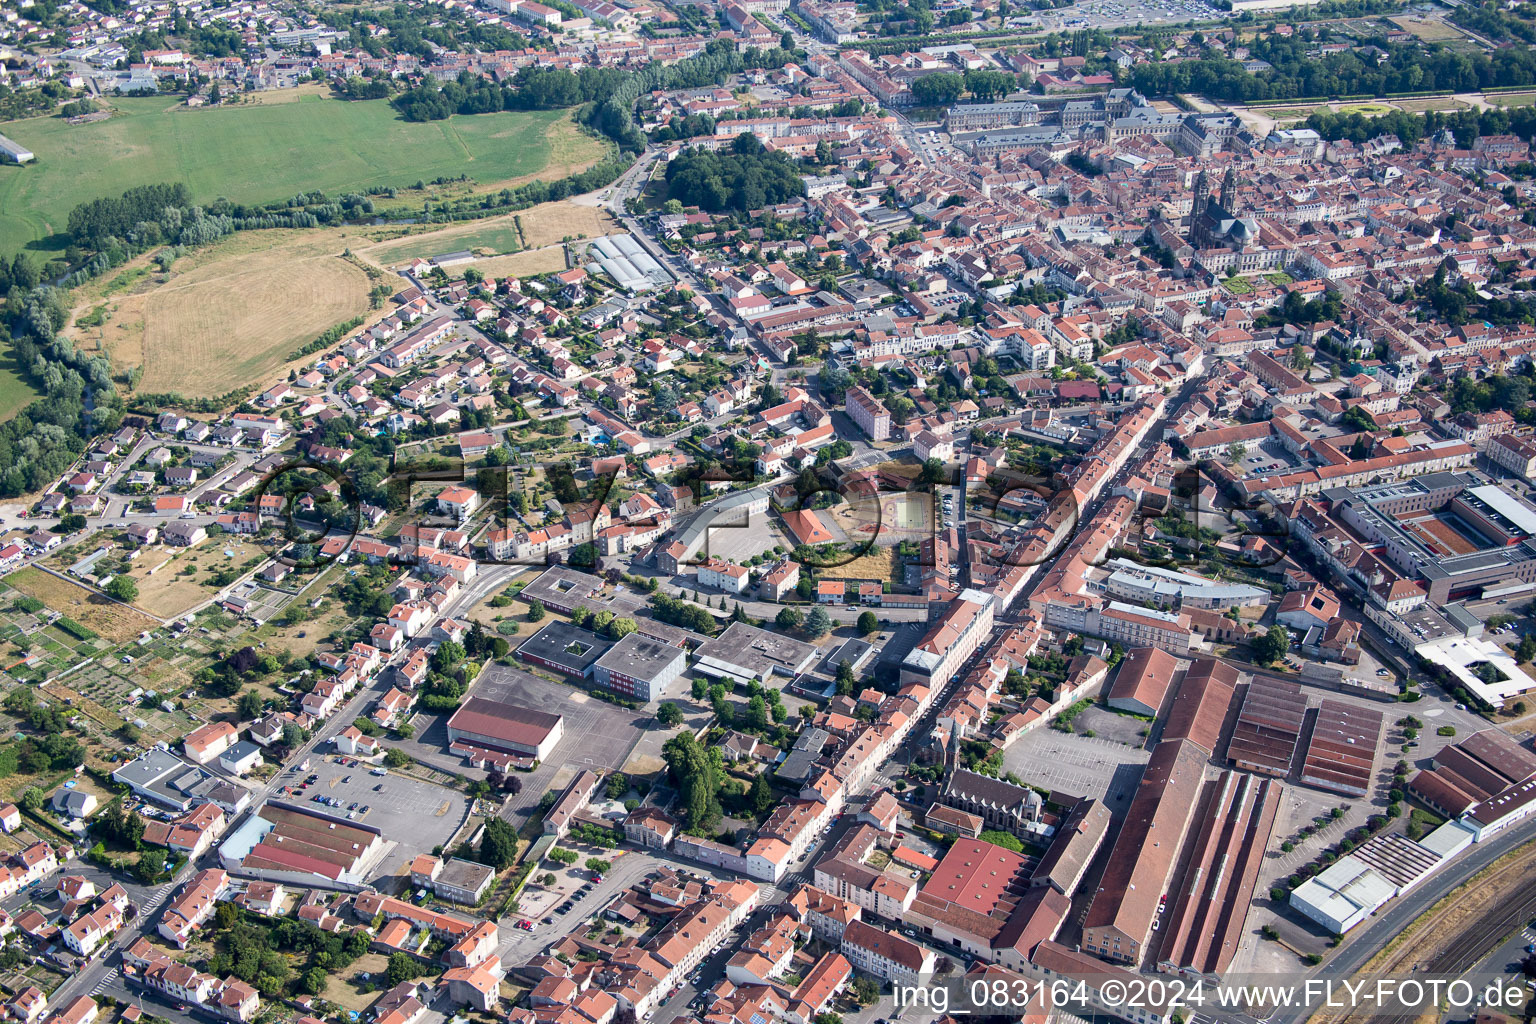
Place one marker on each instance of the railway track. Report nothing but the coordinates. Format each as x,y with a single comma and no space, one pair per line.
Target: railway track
1472,945
1466,948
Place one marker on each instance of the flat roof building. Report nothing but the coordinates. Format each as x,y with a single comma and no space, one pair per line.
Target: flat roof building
564,648
564,590
15,152
744,652
166,779
1455,538
1343,894
639,667
1166,588
1458,654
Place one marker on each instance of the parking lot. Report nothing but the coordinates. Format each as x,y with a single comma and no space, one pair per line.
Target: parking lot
1101,13
574,886
1265,458
414,815
742,542
1079,765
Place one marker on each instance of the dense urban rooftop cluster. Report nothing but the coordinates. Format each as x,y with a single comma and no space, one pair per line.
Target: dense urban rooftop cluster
971,511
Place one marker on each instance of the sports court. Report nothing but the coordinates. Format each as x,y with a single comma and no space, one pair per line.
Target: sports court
887,519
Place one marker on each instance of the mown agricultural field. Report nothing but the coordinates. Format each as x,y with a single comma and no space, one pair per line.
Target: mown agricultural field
261,152
228,315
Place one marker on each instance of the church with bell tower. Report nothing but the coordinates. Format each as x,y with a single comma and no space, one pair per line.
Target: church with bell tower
1213,222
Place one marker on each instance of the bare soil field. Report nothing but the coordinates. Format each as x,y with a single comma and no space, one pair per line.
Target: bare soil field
329,618
554,222
548,260
224,326
167,590
107,618
228,315
1432,30
541,226
342,988
878,564
266,97
1431,103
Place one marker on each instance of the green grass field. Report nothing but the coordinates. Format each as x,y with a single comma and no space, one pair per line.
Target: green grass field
1367,109
496,240
1519,99
15,393
252,153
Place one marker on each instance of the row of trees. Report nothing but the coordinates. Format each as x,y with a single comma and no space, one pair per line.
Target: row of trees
683,613
945,87
468,94
93,222
608,95
614,627
78,398
1408,68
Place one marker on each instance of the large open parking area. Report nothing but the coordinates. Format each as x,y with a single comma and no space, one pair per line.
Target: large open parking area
1080,765
1265,458
412,814
1104,13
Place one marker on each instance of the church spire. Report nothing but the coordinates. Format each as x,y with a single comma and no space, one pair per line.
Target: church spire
1229,190
1201,201
1202,194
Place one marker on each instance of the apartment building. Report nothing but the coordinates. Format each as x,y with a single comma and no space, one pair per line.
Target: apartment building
868,414
947,644
888,957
